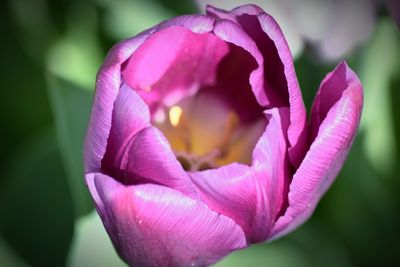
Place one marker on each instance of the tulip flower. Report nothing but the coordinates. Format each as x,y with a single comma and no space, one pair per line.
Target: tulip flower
198,143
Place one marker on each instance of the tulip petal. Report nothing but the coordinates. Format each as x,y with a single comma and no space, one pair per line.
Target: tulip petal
152,225
275,65
297,128
107,87
130,115
252,196
149,158
231,32
109,81
335,118
196,23
173,63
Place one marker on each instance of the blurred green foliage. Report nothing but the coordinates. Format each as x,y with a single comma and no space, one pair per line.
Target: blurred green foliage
50,53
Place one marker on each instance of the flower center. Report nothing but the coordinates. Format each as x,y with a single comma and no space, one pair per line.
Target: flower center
197,88
205,133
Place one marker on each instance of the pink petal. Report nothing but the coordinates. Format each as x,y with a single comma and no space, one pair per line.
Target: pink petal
107,87
275,64
174,62
394,9
196,23
149,158
252,196
231,32
297,127
109,82
152,225
335,115
130,115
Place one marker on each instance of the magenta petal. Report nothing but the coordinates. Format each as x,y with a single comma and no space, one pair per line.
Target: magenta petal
252,196
275,66
173,63
149,158
336,115
297,127
195,23
394,9
130,115
109,81
231,32
107,87
152,225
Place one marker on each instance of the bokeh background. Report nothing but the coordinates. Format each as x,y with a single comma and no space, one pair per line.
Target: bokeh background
49,54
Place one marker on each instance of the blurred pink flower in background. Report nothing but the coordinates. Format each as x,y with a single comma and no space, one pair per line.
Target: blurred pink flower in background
333,28
394,9
198,143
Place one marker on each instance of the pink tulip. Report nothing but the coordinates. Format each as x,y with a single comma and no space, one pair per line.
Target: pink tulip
198,143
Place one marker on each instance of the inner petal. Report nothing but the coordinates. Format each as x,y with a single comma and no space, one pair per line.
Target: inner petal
197,88
172,64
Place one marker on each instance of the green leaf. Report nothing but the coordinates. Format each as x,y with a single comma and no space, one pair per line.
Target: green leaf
361,209
8,256
77,55
381,63
126,18
35,205
278,254
71,107
72,66
91,246
181,7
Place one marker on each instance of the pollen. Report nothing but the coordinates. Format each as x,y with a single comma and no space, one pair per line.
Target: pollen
175,114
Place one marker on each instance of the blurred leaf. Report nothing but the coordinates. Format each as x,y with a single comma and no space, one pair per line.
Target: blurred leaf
310,74
36,28
363,211
381,62
72,67
77,55
35,207
395,100
280,253
126,18
91,246
71,107
8,257
179,6
23,103
320,244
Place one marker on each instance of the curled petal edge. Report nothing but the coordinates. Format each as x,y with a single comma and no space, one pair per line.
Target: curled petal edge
328,150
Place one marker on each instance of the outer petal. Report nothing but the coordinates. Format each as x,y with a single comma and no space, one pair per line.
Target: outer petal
252,196
151,225
336,114
278,69
297,127
196,23
107,87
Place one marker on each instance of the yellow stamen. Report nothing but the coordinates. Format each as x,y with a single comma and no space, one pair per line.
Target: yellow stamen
175,114
231,125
